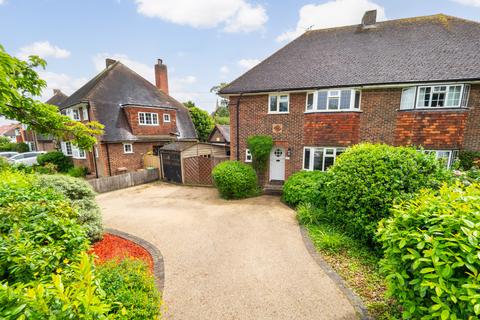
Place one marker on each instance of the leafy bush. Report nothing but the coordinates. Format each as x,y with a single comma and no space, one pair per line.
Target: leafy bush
308,214
366,180
468,159
305,187
57,158
260,147
202,121
22,147
431,254
77,172
235,180
82,198
130,289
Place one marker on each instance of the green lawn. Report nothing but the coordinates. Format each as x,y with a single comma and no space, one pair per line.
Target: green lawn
357,265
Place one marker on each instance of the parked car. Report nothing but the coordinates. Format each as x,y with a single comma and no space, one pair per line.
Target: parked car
8,154
26,158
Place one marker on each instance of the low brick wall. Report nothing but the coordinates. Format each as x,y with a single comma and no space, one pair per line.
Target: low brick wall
198,170
125,180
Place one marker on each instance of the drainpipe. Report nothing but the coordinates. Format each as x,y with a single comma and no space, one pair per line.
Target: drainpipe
237,124
95,161
108,160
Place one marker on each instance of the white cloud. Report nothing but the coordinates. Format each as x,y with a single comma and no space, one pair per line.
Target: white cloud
61,81
43,49
2,2
473,3
248,63
234,15
224,70
333,14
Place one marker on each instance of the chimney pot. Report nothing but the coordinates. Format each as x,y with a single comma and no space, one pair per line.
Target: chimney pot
161,76
56,91
369,19
109,62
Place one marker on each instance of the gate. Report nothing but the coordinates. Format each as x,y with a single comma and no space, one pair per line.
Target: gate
172,166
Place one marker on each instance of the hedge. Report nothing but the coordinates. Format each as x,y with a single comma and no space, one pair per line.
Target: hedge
305,187
235,180
61,161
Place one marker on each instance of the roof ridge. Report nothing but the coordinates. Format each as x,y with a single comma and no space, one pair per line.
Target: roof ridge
99,77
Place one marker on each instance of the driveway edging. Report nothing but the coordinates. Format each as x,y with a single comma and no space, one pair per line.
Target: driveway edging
336,278
158,265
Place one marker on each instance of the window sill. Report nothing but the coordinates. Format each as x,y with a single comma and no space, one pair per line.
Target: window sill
278,112
333,111
448,109
149,125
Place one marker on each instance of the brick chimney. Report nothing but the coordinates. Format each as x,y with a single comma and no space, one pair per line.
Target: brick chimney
161,76
109,62
369,19
56,91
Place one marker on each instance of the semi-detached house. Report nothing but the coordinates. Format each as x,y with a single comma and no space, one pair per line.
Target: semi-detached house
410,81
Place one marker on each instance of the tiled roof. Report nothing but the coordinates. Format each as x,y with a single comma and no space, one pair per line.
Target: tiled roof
422,49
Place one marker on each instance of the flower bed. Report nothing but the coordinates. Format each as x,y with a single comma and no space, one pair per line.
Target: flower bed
112,247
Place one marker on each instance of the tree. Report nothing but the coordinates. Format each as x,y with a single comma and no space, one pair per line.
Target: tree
19,85
221,114
202,121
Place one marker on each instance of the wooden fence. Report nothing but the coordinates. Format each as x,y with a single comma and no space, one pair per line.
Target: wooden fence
151,161
125,180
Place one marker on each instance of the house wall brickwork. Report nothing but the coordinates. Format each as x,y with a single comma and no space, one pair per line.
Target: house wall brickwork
336,129
472,126
163,128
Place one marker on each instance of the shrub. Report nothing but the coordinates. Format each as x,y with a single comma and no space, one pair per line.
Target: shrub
366,180
260,147
431,255
82,198
305,187
235,180
308,214
21,147
77,172
57,158
468,159
130,289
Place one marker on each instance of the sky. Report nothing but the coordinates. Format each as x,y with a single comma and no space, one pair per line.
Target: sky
203,42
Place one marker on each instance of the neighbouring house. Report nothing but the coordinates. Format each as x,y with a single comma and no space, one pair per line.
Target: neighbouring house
220,136
410,81
11,131
139,118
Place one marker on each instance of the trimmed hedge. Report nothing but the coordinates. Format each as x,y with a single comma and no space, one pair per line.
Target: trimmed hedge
367,179
305,187
432,254
235,180
61,161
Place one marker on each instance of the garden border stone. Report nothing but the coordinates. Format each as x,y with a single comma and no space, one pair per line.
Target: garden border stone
158,264
351,296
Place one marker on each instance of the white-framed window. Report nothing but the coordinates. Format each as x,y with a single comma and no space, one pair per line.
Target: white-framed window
85,113
435,96
320,158
447,157
75,114
78,153
278,103
248,156
166,117
333,100
127,148
148,118
96,152
66,148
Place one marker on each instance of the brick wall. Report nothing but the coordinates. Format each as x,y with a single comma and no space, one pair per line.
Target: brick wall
163,128
472,127
336,129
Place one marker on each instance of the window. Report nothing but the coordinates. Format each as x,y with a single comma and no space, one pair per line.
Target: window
75,114
96,151
148,118
333,100
166,117
248,156
278,103
66,148
320,158
447,157
78,153
127,148
439,96
85,113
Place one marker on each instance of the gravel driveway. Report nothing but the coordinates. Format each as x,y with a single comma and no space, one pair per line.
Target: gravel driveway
226,259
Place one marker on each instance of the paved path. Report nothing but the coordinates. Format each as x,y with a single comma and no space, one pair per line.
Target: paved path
227,259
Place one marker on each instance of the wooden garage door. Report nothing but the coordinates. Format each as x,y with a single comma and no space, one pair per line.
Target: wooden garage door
172,166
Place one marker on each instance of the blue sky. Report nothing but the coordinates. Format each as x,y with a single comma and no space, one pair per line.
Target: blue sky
203,42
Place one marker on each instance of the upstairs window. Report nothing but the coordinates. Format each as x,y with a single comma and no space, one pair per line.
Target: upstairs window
278,103
333,100
85,113
166,117
127,148
148,118
75,114
433,97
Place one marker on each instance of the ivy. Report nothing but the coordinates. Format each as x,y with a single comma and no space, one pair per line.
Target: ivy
260,147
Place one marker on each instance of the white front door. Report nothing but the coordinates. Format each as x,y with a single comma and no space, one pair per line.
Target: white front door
277,164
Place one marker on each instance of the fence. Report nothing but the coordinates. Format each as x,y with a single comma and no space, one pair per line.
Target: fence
151,161
198,170
125,180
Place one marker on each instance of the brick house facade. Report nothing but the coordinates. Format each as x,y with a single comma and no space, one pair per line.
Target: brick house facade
312,118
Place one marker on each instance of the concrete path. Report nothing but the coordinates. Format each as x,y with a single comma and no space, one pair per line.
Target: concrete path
227,259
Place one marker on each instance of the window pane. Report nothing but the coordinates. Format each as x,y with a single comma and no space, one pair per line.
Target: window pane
333,103
283,104
453,97
340,151
154,118
329,161
408,98
318,159
438,99
424,97
345,99
466,91
357,99
322,100
306,159
310,101
273,103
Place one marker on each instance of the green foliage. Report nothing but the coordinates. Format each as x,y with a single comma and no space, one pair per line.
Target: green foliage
6,145
235,180
469,159
57,158
48,168
260,147
189,104
222,120
130,289
78,172
202,121
82,198
367,179
431,254
305,187
19,82
222,112
21,147
308,214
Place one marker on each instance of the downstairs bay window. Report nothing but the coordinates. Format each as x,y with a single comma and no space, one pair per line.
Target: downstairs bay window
320,158
333,100
434,97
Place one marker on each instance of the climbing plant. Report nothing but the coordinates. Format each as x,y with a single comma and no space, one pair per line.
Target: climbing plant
260,147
